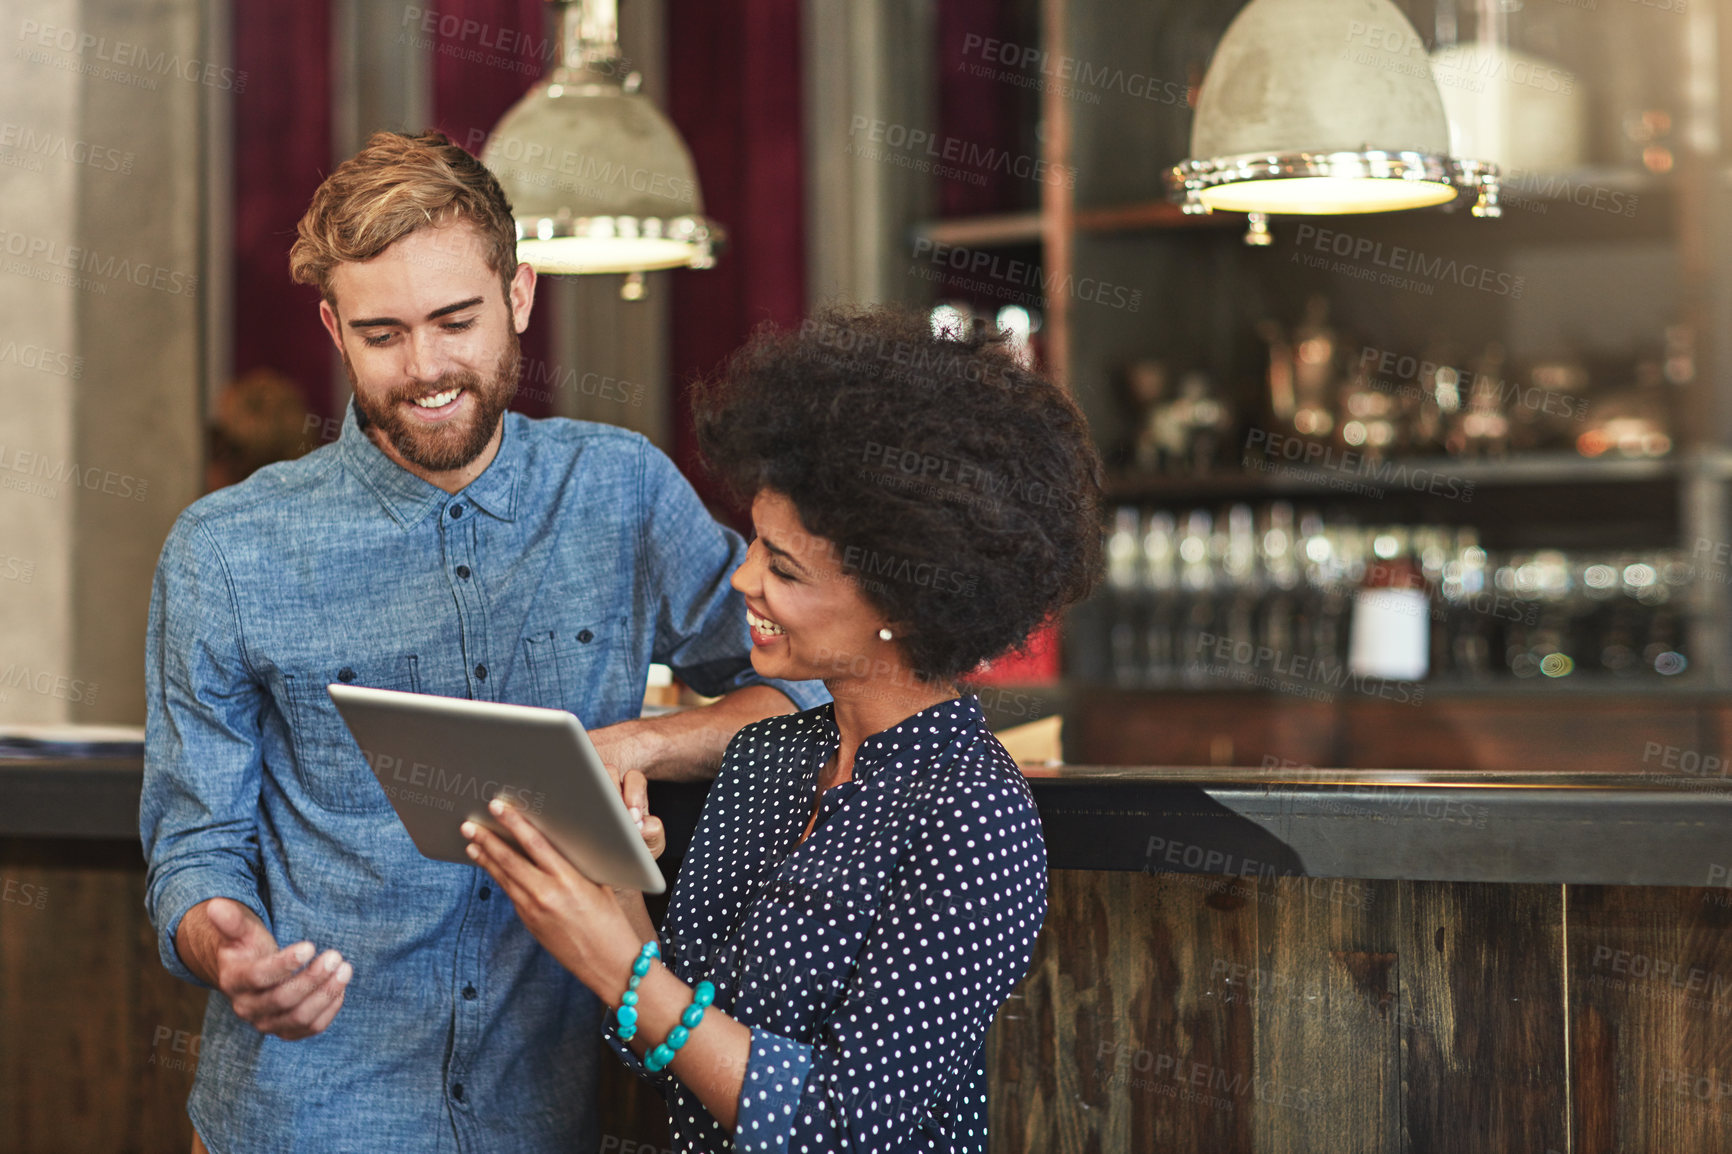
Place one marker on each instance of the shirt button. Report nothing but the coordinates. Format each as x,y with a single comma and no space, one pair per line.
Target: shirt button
456,511
468,993
481,672
463,572
457,1091
485,893
586,637
345,675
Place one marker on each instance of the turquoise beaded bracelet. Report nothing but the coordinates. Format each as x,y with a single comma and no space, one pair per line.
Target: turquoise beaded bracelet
626,1015
702,996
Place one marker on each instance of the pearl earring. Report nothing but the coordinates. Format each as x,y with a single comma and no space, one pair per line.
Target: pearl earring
884,634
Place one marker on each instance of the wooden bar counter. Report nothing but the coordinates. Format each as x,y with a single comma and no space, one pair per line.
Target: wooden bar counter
1233,959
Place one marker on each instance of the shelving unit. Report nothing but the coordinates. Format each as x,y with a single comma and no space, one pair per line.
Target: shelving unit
1575,237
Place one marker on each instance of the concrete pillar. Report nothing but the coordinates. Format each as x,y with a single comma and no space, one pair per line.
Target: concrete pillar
102,169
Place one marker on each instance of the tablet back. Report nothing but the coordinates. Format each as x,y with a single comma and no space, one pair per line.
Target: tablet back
440,761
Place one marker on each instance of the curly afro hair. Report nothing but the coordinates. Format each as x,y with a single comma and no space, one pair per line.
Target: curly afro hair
961,490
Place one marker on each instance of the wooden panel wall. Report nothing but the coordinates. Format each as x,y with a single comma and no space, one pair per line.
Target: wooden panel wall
1187,1013
1166,1012
97,1042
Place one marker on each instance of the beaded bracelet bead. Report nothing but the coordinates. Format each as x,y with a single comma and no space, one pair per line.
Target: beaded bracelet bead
702,996
626,1015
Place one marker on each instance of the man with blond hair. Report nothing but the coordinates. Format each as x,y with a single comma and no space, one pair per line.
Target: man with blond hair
366,997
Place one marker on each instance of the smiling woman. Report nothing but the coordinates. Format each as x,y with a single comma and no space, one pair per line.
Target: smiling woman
867,879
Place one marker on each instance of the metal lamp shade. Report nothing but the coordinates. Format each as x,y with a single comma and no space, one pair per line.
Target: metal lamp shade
1321,106
599,180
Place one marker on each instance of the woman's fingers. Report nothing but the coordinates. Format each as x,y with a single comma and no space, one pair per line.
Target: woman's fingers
535,847
501,861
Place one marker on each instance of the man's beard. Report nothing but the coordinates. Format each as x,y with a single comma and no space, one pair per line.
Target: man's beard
452,445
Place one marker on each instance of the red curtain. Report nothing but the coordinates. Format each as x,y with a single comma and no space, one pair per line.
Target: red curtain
734,94
486,54
282,150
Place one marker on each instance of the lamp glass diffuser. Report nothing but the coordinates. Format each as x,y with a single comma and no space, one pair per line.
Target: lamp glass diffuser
1323,106
598,178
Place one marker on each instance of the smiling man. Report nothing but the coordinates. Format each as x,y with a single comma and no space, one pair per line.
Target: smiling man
365,997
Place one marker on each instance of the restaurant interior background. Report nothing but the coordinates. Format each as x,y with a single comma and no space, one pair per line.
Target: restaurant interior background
1519,422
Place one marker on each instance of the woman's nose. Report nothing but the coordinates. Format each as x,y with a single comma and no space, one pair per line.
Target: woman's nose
745,579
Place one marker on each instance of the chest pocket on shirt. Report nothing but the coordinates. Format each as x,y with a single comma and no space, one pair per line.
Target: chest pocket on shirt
328,763
568,667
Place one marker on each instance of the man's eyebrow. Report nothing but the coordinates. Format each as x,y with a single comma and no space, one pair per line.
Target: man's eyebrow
375,322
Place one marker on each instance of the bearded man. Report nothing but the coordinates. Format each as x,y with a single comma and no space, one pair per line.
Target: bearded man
365,997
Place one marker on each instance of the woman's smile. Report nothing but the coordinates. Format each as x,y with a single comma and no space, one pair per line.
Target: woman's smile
764,631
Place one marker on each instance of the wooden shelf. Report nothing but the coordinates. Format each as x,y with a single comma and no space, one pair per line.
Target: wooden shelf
1546,468
983,231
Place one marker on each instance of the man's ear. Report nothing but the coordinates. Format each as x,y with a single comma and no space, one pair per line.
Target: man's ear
522,296
328,314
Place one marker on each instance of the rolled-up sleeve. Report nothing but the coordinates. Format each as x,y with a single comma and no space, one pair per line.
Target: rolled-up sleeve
700,619
956,935
199,807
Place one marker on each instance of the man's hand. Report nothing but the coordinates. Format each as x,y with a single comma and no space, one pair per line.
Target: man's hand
285,992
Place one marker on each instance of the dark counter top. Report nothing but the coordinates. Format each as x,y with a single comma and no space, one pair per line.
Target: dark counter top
1610,829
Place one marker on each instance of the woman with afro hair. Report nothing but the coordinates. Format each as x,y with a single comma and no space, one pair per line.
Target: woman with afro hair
867,878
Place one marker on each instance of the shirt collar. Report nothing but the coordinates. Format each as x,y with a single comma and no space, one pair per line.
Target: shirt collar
408,499
911,745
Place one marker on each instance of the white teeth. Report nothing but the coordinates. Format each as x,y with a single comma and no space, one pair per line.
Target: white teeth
762,625
439,400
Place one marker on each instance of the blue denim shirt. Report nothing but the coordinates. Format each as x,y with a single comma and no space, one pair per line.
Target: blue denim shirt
577,558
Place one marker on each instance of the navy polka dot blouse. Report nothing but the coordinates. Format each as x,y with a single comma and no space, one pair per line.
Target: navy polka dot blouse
870,959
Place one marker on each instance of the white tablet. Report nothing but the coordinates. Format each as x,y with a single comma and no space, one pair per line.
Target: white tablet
440,761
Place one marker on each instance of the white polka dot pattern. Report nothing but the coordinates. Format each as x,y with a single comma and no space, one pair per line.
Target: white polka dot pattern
869,960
